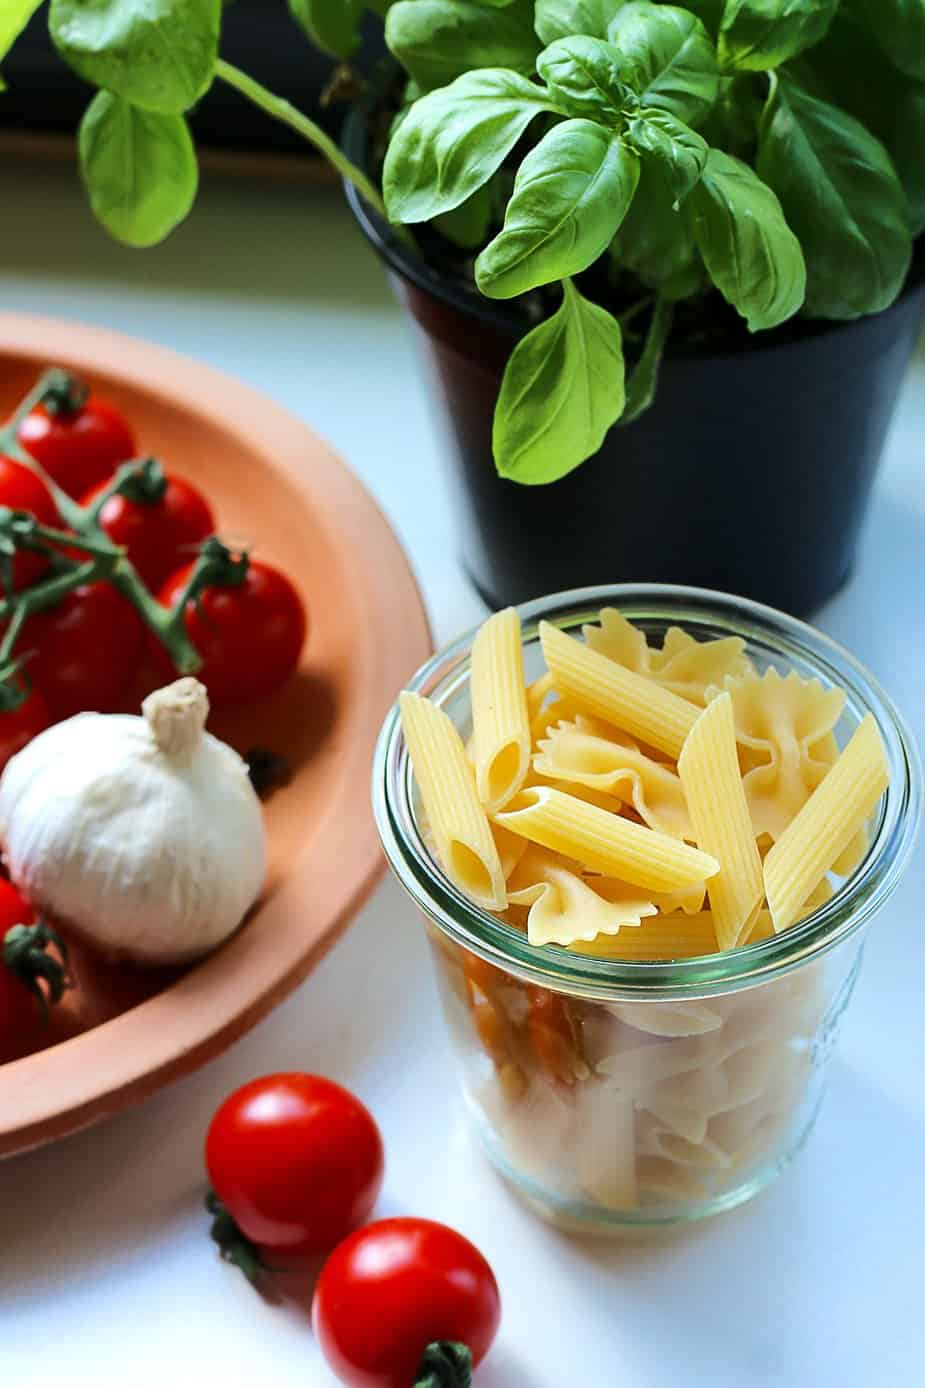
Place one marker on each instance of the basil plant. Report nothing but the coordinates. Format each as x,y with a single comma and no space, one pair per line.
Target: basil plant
608,158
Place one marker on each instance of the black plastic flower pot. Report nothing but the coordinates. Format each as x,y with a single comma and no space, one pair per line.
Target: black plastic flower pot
751,473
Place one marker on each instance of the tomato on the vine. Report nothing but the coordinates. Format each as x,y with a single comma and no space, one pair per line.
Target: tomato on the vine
22,490
249,633
84,652
161,533
20,725
23,962
78,437
295,1160
394,1289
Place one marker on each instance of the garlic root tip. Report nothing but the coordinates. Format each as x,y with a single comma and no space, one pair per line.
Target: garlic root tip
177,716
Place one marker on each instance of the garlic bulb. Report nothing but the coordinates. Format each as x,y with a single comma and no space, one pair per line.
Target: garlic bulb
143,834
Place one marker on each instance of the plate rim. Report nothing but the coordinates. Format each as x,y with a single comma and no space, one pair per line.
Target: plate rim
343,502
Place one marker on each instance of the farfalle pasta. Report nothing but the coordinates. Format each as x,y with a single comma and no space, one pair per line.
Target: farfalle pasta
644,804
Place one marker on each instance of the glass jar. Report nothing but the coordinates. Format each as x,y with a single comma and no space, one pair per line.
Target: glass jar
619,1094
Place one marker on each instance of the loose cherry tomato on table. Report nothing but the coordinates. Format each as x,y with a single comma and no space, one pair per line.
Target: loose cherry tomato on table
78,437
84,652
393,1289
22,490
296,1161
249,632
160,521
20,725
23,962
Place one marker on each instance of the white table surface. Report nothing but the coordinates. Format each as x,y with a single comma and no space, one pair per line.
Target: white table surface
106,1272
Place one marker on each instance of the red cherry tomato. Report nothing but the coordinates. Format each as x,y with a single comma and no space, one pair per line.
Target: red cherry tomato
78,447
296,1160
159,535
20,725
395,1287
22,490
250,636
21,1017
84,652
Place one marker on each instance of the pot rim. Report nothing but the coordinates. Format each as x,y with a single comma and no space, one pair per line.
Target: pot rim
505,316
851,907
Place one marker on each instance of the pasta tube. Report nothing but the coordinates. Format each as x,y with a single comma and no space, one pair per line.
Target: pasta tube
500,717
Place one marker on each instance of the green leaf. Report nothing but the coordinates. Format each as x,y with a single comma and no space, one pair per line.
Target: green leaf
751,254
899,28
668,59
655,241
583,77
709,12
562,390
570,195
661,136
643,379
841,195
467,225
760,34
439,40
561,19
139,168
454,139
332,25
157,54
14,16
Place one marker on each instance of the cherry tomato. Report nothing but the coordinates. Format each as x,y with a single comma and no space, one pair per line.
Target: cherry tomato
296,1161
395,1287
78,447
22,490
84,652
250,636
20,725
159,535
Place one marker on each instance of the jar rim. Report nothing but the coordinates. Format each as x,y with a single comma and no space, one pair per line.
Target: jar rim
853,904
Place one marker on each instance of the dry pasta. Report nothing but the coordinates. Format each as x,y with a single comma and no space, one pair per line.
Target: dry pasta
500,716
684,666
709,772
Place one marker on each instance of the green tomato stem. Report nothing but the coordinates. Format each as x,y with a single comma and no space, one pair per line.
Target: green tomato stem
288,114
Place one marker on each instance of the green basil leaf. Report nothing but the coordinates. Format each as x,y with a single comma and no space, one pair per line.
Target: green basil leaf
756,35
157,54
583,77
841,195
139,168
751,254
332,25
561,19
643,379
437,41
661,136
14,16
655,242
453,140
467,225
668,59
562,390
570,195
899,28
709,12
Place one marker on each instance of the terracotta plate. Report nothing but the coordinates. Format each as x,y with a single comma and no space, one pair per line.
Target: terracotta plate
275,485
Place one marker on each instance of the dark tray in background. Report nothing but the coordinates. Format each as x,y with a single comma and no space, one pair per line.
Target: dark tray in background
44,97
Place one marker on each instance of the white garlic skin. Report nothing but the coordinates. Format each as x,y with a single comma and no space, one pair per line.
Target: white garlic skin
146,857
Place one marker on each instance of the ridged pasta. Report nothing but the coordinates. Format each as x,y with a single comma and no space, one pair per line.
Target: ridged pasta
455,818
660,939
500,716
826,824
709,772
607,843
564,909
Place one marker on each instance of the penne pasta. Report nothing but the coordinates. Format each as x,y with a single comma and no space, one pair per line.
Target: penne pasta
629,701
500,716
709,771
605,842
457,823
837,809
